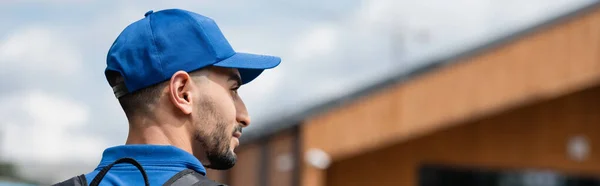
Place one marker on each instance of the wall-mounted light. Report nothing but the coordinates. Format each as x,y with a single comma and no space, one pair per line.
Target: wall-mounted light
578,148
318,158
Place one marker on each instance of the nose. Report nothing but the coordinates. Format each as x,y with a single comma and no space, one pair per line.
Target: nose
242,115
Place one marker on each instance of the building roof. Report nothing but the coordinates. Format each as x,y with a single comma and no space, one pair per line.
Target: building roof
292,120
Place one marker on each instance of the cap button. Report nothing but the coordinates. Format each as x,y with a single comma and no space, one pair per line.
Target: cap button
148,13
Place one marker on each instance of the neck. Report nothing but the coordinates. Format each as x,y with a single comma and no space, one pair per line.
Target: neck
148,131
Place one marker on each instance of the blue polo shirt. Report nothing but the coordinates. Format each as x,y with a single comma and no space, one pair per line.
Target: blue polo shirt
160,162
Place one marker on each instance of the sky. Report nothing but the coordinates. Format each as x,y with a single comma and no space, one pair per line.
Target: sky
57,110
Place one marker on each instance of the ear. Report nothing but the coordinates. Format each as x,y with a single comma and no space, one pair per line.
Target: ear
180,91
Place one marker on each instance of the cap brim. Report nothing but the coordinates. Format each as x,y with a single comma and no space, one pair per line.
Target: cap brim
250,66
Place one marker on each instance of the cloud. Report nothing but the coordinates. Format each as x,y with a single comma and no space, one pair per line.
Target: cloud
38,49
49,133
39,123
318,41
435,28
9,2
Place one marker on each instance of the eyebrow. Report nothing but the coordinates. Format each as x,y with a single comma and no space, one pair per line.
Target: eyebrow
234,77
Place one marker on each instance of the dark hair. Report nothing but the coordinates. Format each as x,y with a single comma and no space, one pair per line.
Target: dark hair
140,101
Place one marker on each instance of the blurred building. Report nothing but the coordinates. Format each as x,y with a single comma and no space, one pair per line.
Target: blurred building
9,175
11,183
521,110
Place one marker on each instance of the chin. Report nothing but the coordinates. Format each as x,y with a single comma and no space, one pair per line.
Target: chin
232,150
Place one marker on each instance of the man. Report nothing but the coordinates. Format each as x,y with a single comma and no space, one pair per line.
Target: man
176,78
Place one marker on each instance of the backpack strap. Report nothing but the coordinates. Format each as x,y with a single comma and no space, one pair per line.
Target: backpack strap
74,181
190,177
96,181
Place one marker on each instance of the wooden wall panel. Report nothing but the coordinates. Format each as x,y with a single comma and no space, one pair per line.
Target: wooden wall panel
550,63
246,171
281,152
532,137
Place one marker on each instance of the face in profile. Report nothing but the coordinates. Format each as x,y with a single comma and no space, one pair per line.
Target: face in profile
219,116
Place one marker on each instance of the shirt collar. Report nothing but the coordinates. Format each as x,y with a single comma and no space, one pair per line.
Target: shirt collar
152,154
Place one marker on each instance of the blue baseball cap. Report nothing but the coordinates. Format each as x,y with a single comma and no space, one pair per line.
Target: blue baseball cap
152,49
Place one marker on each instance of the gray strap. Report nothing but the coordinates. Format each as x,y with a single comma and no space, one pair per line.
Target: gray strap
186,180
190,177
74,181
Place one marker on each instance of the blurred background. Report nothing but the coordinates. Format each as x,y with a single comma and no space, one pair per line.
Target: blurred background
385,92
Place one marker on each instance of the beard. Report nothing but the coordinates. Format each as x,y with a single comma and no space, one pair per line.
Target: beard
217,142
218,151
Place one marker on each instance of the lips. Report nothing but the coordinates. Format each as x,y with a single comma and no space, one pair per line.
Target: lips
237,134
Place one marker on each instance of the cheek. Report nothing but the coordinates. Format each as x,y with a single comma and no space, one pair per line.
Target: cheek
226,108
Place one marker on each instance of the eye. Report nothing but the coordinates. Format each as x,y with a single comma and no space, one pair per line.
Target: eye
235,89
